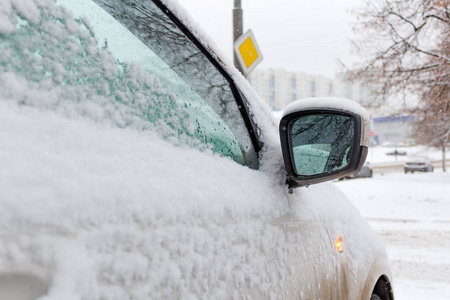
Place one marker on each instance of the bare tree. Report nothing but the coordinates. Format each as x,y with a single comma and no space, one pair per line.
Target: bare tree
432,120
404,45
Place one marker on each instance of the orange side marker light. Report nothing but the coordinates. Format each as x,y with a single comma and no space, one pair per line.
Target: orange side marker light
339,244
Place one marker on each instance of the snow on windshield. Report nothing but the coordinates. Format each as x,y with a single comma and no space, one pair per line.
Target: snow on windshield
65,67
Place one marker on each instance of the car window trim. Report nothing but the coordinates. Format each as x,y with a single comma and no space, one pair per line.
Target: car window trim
241,102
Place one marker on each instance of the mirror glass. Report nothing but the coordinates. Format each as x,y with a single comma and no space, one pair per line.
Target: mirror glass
322,143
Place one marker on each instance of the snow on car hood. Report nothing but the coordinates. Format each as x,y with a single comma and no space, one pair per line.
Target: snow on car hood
112,212
133,209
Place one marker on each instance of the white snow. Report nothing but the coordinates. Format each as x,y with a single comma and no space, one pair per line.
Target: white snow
378,155
115,206
113,212
129,213
331,102
410,212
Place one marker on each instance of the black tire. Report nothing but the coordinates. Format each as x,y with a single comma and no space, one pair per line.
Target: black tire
406,172
381,290
371,174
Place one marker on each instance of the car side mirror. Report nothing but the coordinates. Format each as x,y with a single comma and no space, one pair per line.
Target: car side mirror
323,139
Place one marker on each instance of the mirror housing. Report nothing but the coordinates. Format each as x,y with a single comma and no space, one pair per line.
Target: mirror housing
323,139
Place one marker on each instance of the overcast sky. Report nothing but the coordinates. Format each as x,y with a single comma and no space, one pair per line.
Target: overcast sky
297,35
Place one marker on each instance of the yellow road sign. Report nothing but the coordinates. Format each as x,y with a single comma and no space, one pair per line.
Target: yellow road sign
247,51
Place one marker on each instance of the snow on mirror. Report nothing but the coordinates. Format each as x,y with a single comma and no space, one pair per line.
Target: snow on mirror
322,143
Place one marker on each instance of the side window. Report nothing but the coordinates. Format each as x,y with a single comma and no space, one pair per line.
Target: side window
123,63
139,32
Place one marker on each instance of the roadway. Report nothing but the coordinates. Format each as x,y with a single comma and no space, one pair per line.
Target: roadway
394,167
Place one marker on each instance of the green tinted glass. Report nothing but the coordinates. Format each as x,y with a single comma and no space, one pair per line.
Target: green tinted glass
200,88
125,63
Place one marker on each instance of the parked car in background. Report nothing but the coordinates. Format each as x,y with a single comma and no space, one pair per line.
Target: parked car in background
365,172
396,153
422,164
136,163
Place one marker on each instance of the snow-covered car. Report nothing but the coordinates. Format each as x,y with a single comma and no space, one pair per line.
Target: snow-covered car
136,163
422,164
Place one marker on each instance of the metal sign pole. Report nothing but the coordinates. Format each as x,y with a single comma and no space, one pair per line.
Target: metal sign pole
237,28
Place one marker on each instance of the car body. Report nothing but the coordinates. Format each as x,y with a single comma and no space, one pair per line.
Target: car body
137,164
422,164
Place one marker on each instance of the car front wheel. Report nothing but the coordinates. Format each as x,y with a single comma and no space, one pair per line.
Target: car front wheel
381,290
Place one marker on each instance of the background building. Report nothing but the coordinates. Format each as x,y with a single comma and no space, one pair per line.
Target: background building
393,130
279,87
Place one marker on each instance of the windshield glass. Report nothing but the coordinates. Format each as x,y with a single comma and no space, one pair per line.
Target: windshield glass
147,37
124,63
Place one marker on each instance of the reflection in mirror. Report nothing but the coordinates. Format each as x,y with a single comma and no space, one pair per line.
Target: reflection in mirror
322,143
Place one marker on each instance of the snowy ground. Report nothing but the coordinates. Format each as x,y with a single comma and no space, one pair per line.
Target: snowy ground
377,155
411,214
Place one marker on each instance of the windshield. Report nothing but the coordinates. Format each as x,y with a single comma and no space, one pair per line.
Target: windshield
139,32
125,63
